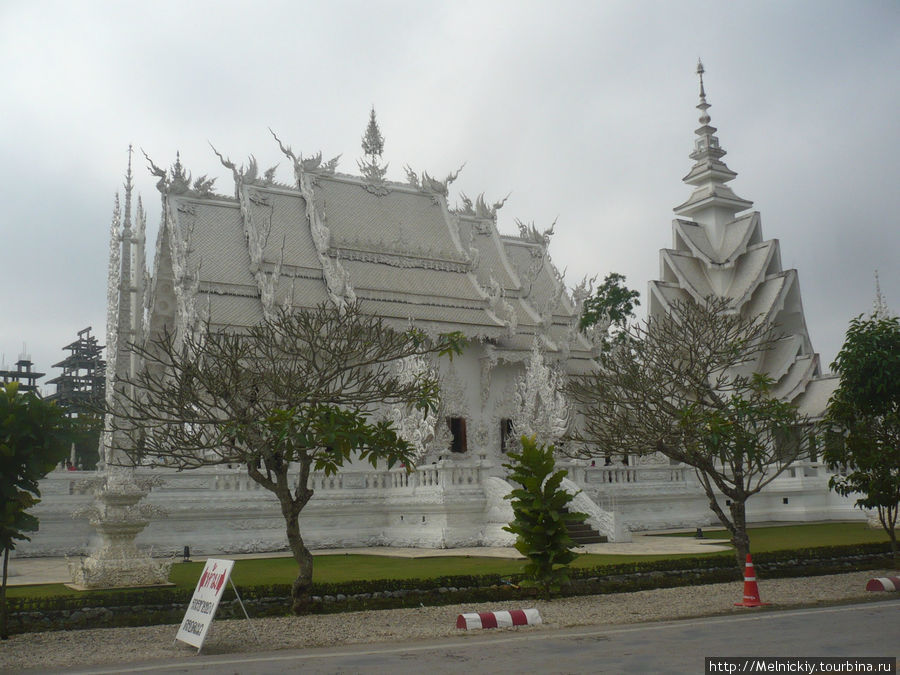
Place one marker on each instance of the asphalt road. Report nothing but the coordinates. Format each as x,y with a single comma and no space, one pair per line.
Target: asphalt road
868,629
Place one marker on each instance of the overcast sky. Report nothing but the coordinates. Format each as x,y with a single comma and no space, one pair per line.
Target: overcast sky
584,111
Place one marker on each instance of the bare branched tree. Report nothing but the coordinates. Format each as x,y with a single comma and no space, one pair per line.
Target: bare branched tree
299,391
685,385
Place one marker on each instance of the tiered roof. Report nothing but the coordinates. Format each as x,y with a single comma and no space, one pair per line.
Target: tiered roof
397,248
719,251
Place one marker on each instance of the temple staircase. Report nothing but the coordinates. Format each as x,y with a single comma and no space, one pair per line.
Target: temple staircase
582,534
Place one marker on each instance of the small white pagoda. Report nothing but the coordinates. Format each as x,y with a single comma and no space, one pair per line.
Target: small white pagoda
118,512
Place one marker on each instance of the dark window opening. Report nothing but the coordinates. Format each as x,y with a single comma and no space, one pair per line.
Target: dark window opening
458,432
788,443
506,430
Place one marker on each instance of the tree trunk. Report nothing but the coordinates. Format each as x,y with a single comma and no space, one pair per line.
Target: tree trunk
739,536
887,515
4,627
737,525
301,589
276,480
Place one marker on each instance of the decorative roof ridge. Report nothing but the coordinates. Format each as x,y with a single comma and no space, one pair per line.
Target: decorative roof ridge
398,248
245,177
177,181
480,210
517,240
397,259
529,232
433,187
362,181
195,198
307,165
276,187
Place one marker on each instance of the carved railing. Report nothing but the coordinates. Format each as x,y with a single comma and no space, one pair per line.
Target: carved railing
432,476
615,474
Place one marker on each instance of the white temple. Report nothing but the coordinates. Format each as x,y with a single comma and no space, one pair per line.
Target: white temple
405,254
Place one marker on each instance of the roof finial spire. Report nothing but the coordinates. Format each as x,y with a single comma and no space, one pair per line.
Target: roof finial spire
372,146
129,184
712,201
128,173
703,106
880,308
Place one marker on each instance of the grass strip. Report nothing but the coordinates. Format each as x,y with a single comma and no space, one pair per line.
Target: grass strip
333,569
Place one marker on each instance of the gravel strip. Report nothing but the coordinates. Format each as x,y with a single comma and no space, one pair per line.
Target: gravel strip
111,646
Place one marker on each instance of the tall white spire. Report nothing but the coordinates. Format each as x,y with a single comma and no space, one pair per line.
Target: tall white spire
125,295
712,203
117,514
718,253
879,306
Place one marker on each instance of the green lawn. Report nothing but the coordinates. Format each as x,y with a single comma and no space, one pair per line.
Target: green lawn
778,538
337,568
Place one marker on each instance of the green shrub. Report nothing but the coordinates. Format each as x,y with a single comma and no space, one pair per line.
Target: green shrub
539,507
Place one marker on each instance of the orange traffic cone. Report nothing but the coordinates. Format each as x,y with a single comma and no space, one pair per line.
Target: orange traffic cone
751,589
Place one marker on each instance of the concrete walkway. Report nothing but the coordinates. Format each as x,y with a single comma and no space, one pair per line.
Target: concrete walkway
23,571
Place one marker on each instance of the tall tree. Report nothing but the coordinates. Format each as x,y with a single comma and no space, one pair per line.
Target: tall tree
683,385
863,419
298,392
34,438
611,300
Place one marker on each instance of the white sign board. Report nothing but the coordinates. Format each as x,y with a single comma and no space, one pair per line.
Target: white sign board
202,609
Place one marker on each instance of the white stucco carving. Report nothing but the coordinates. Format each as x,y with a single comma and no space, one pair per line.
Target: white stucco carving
500,307
530,232
112,314
414,426
185,272
435,188
541,408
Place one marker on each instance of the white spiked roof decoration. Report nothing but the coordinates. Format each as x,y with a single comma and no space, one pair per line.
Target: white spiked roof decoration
712,203
879,306
720,253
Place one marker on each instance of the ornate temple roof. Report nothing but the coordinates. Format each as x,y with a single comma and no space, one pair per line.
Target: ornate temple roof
719,250
397,248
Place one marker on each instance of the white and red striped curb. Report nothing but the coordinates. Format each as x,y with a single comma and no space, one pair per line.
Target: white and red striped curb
884,584
516,617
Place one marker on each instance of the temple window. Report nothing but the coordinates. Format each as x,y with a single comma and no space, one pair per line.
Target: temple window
458,433
813,443
506,430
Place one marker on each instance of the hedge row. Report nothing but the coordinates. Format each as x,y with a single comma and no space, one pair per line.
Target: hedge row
166,605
